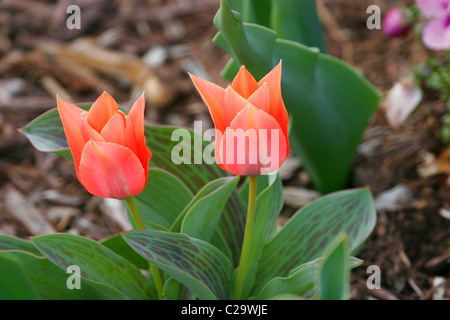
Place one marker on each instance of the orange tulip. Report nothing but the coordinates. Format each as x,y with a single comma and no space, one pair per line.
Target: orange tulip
250,119
108,147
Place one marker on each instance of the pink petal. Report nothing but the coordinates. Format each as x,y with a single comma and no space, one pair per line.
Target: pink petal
70,116
433,8
110,170
436,34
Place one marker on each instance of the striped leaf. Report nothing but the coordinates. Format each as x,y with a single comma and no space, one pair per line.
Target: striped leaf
196,264
313,228
96,262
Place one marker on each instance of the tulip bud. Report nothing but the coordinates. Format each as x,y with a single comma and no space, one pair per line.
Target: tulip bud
395,23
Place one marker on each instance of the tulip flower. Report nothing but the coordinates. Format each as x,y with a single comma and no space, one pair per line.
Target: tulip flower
395,23
436,33
251,122
108,147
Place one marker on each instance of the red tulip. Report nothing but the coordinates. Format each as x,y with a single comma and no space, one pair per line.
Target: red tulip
251,122
108,147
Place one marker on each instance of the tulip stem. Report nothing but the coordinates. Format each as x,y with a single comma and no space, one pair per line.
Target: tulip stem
242,270
154,269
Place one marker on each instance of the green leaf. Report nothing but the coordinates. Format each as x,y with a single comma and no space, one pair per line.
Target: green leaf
300,281
163,199
250,47
298,21
46,133
198,265
330,103
14,243
334,273
119,246
201,220
253,11
313,228
268,206
96,262
24,276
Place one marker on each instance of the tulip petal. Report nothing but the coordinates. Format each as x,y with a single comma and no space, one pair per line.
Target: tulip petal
254,144
213,96
70,116
277,109
87,132
436,34
110,170
244,83
135,133
114,130
233,103
101,111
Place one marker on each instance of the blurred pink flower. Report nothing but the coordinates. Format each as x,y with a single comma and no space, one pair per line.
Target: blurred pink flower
436,33
395,23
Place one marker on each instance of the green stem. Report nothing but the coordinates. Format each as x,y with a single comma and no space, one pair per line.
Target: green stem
242,270
154,269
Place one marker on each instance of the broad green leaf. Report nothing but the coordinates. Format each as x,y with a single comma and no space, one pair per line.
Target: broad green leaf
250,48
198,265
253,11
96,262
46,134
334,273
313,228
24,276
268,206
330,103
201,220
14,243
300,281
163,199
298,21
119,246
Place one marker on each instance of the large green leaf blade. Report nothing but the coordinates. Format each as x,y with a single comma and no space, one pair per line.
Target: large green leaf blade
313,228
96,262
198,265
163,199
24,276
204,215
331,105
298,21
17,244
